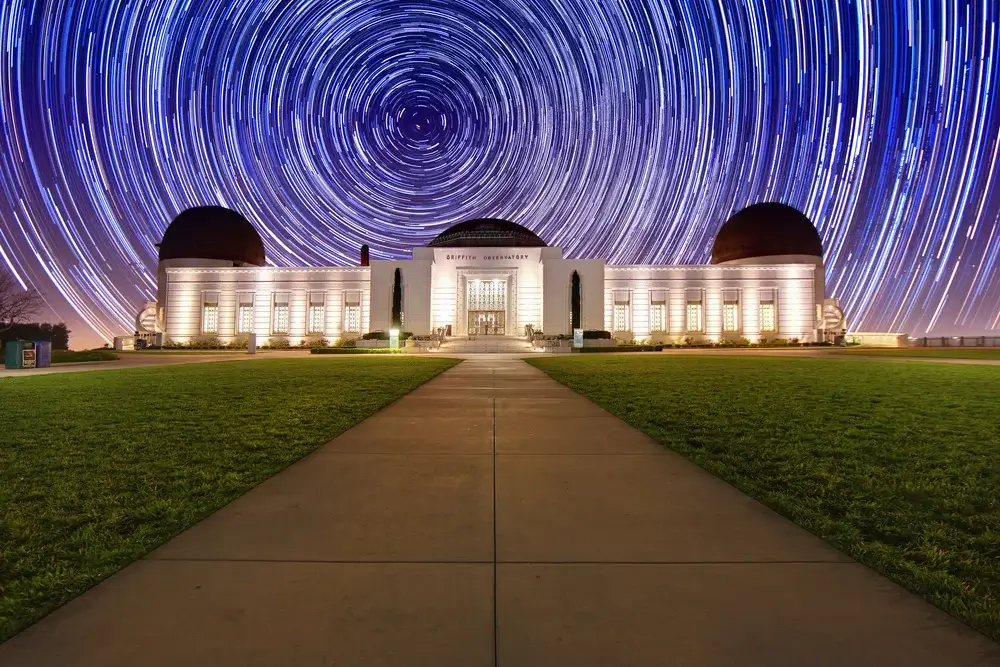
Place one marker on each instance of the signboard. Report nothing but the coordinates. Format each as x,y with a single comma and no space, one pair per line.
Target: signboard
27,359
577,337
394,339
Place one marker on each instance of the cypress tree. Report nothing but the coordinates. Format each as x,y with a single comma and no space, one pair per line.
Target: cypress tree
397,300
575,302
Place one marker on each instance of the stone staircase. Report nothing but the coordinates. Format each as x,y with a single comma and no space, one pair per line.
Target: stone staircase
485,345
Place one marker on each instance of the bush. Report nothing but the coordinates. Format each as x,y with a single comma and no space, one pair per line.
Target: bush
312,342
596,334
278,343
619,348
384,335
346,342
240,342
354,350
205,342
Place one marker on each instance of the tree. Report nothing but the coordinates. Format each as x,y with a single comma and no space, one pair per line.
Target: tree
397,300
575,299
16,304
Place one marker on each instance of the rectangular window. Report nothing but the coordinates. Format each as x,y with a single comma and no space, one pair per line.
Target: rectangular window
768,312
244,316
210,313
352,312
621,317
730,311
693,316
352,319
317,312
279,319
658,312
694,319
622,320
730,316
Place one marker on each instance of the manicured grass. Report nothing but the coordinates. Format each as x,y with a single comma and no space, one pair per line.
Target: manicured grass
70,356
154,351
928,352
96,469
897,465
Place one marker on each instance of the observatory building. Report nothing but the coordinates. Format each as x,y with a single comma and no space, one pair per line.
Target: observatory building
490,277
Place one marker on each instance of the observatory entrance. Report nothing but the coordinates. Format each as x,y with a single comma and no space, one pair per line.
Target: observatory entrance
486,304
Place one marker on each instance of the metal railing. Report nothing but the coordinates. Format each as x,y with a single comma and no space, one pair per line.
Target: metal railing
956,341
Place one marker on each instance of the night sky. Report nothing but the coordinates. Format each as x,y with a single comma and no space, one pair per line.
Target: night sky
627,130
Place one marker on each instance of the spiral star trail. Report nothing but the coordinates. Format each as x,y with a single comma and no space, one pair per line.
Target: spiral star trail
622,130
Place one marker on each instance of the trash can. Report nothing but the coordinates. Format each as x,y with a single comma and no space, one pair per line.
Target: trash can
43,353
19,354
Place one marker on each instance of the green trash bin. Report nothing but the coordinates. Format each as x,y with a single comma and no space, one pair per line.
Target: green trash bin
19,354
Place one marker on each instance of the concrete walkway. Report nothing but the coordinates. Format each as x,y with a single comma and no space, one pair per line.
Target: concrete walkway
493,517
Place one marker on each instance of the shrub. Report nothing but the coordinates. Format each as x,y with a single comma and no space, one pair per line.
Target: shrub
278,343
619,348
239,342
375,335
596,334
312,342
205,342
354,350
346,342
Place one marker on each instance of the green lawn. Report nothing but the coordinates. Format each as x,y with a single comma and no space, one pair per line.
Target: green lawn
71,356
184,350
898,465
96,469
928,352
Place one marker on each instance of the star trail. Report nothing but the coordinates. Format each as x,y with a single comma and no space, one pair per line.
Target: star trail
622,130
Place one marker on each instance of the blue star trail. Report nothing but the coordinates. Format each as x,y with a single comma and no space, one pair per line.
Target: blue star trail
623,130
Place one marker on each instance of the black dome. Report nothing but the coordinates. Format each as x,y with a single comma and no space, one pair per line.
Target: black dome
766,230
212,232
487,233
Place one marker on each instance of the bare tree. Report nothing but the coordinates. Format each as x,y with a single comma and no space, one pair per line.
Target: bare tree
16,304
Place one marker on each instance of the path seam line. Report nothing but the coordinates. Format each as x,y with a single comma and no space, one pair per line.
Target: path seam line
496,617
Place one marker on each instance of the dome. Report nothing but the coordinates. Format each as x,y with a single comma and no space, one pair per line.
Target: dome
212,232
766,230
487,233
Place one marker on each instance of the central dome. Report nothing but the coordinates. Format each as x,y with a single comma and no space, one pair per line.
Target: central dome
487,233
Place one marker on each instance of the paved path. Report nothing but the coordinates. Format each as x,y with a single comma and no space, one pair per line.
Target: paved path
493,517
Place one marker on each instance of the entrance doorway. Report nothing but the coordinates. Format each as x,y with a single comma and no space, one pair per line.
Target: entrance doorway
487,323
486,305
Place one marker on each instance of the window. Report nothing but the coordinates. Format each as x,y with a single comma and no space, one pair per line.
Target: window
730,317
622,320
694,316
317,313
730,311
352,319
768,312
693,313
657,312
621,317
244,316
279,319
210,313
352,312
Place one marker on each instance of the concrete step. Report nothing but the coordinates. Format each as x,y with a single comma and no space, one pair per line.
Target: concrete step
486,345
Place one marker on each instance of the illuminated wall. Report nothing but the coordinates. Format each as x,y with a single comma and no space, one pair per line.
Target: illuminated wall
187,287
794,285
